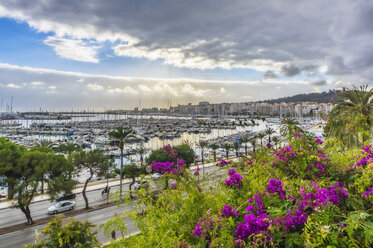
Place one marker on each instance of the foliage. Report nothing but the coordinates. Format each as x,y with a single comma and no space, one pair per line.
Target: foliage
141,150
132,171
184,151
351,121
93,162
116,224
73,234
9,155
299,195
32,168
120,134
68,148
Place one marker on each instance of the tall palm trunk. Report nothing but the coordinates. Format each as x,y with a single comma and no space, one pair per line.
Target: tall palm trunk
121,169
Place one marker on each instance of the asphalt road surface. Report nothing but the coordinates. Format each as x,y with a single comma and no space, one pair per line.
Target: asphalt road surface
27,236
39,210
9,216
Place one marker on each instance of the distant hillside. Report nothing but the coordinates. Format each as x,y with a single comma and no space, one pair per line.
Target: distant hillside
324,97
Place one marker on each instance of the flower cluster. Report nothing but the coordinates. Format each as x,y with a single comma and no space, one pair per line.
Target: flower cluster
275,187
285,153
227,211
170,151
367,193
174,186
259,207
318,140
223,163
196,172
297,134
319,197
235,180
169,167
205,226
250,162
368,158
291,221
300,162
253,224
181,244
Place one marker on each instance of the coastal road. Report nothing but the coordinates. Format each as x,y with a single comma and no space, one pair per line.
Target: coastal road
26,236
10,216
17,239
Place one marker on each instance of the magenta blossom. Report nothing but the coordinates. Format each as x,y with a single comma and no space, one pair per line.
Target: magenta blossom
227,211
367,193
318,140
275,187
223,163
234,179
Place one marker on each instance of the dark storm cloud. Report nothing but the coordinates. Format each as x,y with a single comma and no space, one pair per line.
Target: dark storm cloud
269,74
319,83
282,36
290,70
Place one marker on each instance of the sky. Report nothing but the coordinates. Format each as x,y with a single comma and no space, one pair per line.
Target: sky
98,55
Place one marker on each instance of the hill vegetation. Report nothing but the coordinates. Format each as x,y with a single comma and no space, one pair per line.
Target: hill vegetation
324,97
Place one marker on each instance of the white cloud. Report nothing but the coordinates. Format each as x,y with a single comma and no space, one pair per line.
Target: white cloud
126,90
73,49
95,86
189,89
37,83
63,91
12,85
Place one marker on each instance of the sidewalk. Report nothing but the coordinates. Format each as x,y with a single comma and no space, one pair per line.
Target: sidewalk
98,185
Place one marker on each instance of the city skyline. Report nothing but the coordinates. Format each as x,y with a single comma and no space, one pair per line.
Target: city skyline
94,55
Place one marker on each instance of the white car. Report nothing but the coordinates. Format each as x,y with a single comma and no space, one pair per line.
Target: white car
61,207
140,184
156,176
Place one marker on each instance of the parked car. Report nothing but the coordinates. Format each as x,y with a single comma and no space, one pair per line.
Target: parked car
156,176
3,192
140,184
61,207
65,196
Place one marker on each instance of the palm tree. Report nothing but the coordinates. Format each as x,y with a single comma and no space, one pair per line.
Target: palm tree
269,131
236,147
202,144
353,112
141,150
68,148
120,134
276,140
45,145
261,136
214,147
245,140
227,147
290,126
253,143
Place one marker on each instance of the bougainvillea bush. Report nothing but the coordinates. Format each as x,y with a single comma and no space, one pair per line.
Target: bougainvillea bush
299,195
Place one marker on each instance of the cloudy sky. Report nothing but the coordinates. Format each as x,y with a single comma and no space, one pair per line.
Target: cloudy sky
100,54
